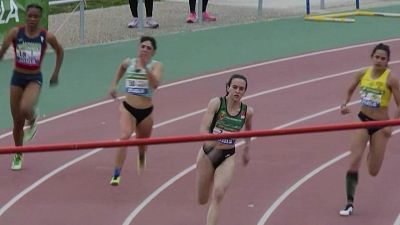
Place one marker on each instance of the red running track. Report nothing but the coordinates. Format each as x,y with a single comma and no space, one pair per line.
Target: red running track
276,188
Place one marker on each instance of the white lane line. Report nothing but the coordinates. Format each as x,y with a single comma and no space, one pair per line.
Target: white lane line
281,198
143,204
9,204
397,222
339,49
282,60
154,194
64,115
19,196
44,178
217,74
296,185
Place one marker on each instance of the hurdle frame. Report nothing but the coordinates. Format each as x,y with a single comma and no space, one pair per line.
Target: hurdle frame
342,16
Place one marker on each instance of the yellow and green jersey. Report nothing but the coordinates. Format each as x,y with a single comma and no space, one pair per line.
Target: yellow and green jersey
375,92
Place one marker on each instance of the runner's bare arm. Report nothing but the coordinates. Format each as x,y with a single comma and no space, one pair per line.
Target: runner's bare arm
248,126
155,75
349,92
52,40
394,87
117,77
212,108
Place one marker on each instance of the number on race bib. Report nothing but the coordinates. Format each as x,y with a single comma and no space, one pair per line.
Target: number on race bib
371,99
137,86
227,141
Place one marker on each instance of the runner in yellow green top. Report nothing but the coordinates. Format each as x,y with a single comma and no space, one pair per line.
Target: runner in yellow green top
216,161
377,84
142,77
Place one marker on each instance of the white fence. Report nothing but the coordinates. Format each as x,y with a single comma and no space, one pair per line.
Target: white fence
81,15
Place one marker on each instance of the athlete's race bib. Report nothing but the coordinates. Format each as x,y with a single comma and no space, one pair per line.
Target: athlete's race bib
371,98
226,141
137,86
28,56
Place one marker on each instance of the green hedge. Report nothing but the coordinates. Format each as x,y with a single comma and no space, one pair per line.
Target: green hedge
14,14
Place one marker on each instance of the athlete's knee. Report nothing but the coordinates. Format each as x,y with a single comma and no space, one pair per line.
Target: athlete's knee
125,136
26,108
142,148
218,194
202,197
202,200
19,124
373,171
387,132
355,162
354,166
143,132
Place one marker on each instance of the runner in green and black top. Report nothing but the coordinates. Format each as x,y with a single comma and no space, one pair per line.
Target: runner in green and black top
223,122
216,161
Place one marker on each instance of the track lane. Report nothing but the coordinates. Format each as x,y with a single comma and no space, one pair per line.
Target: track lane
205,98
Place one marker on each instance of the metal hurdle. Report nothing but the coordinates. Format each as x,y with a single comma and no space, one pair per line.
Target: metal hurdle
341,16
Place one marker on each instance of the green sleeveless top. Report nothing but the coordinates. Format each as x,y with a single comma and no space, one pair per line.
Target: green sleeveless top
225,123
136,81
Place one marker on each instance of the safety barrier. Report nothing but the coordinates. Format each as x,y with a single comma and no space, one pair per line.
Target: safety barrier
342,16
197,138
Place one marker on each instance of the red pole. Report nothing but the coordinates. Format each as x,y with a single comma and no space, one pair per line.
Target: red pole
197,138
